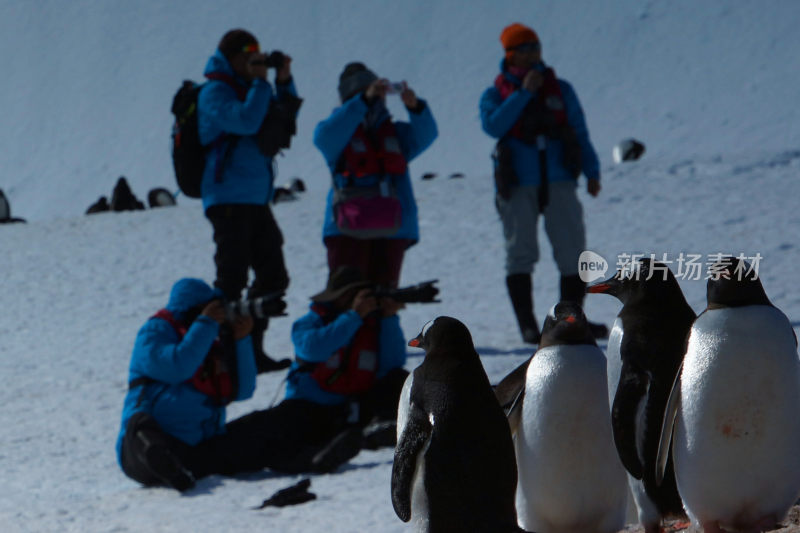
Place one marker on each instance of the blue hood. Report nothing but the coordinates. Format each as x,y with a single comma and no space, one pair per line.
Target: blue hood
218,63
189,292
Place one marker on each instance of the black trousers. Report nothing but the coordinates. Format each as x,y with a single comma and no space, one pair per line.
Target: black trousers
247,236
284,438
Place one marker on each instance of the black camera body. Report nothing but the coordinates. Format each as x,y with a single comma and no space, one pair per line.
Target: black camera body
268,305
274,59
422,293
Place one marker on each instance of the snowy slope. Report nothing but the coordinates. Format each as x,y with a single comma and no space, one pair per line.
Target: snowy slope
708,86
88,83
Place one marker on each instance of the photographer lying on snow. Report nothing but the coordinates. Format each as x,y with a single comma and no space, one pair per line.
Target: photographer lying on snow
350,353
189,361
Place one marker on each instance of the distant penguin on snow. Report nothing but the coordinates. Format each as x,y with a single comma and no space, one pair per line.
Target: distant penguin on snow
570,478
645,350
454,466
735,405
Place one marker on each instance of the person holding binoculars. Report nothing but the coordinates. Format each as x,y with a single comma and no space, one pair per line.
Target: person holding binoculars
190,360
233,111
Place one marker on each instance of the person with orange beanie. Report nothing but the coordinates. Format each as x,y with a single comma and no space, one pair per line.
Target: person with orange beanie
543,147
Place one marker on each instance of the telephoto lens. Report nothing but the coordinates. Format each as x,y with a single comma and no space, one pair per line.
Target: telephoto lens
269,305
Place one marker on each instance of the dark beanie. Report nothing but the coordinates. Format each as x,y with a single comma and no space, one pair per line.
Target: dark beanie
234,42
354,78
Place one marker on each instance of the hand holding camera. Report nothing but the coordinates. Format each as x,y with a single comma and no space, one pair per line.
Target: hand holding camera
259,63
364,302
241,327
215,310
532,80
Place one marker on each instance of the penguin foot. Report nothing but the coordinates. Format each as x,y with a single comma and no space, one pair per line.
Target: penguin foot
711,527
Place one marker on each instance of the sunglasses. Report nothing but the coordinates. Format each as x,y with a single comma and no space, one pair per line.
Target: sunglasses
250,48
528,47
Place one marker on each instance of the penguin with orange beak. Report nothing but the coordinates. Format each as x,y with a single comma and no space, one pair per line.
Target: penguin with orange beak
645,352
454,467
570,478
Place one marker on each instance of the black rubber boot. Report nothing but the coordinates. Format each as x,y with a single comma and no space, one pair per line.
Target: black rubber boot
338,451
573,289
520,290
162,463
264,363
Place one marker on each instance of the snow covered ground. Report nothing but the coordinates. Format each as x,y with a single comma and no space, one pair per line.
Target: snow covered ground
708,86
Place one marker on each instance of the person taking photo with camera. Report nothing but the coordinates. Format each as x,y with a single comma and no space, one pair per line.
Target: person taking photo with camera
371,214
543,147
349,358
233,113
189,361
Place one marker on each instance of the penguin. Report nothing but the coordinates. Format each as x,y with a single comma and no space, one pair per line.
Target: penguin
570,478
645,351
454,467
734,408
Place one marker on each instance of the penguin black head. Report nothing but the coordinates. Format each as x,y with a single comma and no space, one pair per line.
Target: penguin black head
647,279
734,283
444,333
566,324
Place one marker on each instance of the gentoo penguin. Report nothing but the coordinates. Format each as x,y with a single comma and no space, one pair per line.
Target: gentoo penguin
735,405
645,350
454,466
570,478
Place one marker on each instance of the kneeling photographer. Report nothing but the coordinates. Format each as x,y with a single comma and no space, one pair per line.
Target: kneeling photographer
189,361
350,353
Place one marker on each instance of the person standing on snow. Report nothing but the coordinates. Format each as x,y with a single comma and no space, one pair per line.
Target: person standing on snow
237,184
543,147
371,214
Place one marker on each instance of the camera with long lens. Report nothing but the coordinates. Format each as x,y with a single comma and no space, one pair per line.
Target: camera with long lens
421,293
274,59
269,305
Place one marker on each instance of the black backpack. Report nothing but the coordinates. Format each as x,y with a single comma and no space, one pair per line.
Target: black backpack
188,155
280,125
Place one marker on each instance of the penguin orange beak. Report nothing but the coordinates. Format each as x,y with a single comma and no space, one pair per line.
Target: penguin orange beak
600,288
571,319
610,286
414,342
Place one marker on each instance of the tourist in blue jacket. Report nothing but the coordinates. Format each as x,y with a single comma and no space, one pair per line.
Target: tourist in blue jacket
238,178
189,361
349,356
371,214
543,148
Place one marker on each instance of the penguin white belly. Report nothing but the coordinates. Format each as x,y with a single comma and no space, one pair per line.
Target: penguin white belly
419,498
736,445
646,510
570,477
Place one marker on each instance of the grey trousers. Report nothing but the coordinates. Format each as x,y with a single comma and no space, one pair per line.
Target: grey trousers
563,223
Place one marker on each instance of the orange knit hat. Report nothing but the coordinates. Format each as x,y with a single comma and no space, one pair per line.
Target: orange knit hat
515,35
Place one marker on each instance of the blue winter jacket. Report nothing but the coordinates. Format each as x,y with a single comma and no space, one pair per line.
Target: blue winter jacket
179,408
498,116
246,176
315,342
333,134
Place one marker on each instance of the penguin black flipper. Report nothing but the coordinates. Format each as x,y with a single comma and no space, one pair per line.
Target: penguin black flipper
508,390
510,393
631,392
665,442
416,433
